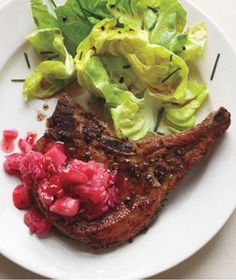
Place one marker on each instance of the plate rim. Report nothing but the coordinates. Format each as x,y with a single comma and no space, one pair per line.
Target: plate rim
150,272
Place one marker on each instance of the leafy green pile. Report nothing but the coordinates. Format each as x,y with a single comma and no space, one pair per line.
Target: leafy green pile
132,53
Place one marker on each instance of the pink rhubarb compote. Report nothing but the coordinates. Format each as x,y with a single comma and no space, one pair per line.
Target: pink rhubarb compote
8,138
66,188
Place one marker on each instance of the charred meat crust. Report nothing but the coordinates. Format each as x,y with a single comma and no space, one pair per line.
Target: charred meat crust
147,170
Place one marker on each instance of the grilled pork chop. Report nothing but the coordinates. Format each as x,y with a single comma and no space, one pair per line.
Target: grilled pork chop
147,170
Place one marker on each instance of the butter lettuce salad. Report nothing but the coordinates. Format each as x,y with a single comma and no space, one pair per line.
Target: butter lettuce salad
134,54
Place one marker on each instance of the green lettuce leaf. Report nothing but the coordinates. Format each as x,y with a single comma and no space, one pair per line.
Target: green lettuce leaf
96,80
177,45
132,53
134,117
171,23
164,20
120,65
41,15
56,71
195,43
141,13
154,67
183,117
76,19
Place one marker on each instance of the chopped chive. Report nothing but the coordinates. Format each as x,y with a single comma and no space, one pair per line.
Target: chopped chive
215,66
93,14
153,25
53,3
65,18
81,55
84,14
18,80
53,56
170,75
159,117
171,57
122,79
155,10
187,32
120,25
142,27
47,52
175,104
27,60
160,133
129,4
127,66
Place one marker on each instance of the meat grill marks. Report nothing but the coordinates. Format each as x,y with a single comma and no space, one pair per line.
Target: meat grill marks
147,170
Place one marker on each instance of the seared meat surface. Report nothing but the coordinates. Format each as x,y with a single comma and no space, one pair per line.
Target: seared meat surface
147,170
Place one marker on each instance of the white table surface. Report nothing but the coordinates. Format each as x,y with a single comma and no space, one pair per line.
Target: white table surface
217,260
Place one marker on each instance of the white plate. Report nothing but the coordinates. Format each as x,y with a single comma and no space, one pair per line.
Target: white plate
194,213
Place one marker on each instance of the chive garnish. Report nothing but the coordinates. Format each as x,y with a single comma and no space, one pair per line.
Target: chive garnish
126,66
121,81
27,60
159,117
174,103
84,14
64,18
53,56
46,52
155,10
170,75
53,3
153,25
215,66
160,133
93,14
120,25
81,55
18,80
